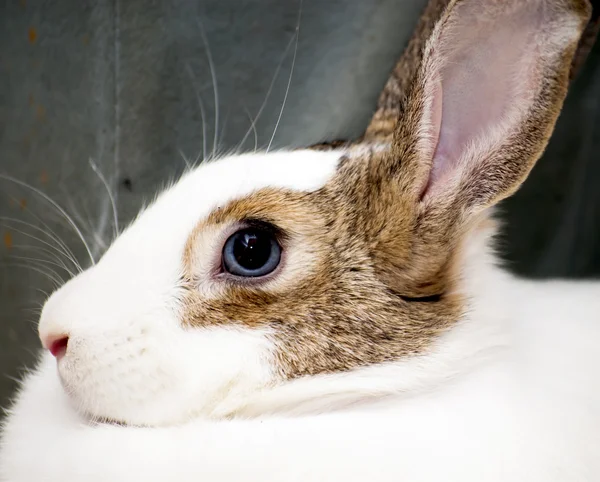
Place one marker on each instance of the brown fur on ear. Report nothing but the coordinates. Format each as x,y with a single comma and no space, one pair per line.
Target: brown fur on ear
409,247
467,129
383,122
494,162
588,39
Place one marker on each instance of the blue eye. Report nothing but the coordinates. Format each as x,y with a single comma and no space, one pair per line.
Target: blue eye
251,252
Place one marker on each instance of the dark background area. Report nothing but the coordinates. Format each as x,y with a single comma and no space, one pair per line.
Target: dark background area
126,84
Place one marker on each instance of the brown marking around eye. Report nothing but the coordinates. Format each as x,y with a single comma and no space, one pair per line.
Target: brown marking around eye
330,310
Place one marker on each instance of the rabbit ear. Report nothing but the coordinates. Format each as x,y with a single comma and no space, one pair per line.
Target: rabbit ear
490,87
471,123
386,116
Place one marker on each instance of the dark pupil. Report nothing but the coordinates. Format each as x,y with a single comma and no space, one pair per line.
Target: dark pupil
252,249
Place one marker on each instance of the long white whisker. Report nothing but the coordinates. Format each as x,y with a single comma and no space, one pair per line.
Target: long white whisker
66,251
45,262
188,166
39,249
223,130
46,295
36,269
213,74
56,206
31,236
84,222
110,196
202,112
287,90
17,380
253,127
269,90
34,311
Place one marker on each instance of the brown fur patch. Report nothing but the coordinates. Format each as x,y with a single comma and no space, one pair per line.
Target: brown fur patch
338,313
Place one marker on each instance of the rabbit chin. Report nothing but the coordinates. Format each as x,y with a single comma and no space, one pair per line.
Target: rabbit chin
164,377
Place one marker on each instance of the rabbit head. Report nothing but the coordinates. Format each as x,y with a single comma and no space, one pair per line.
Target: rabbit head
258,270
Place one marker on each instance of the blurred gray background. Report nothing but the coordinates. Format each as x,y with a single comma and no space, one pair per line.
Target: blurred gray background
109,96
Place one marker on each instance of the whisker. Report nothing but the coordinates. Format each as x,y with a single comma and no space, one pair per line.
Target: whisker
34,353
185,159
253,127
223,130
33,311
45,262
202,111
12,379
52,235
36,269
269,90
110,197
39,305
56,206
31,236
59,262
46,295
287,90
84,221
50,270
213,75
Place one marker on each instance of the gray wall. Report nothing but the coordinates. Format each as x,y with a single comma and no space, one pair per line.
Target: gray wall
120,82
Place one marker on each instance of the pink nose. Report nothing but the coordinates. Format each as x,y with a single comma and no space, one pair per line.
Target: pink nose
57,345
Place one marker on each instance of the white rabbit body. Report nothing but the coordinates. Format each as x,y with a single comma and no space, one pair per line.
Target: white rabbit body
337,315
516,398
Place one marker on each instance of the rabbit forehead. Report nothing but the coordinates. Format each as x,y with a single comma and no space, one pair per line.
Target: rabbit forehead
216,183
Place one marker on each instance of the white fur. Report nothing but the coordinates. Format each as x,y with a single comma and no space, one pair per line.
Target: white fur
511,393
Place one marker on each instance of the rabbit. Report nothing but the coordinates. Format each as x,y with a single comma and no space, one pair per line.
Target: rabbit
338,312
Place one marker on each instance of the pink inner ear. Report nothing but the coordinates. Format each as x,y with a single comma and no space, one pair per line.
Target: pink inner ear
486,58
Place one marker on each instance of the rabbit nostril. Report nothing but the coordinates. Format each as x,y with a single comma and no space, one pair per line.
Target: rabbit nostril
58,346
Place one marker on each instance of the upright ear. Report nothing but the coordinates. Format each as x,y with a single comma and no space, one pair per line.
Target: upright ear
490,88
476,116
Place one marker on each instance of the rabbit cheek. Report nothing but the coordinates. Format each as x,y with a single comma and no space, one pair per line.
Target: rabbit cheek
120,375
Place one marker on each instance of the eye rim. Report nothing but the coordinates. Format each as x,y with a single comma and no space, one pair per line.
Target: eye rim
277,238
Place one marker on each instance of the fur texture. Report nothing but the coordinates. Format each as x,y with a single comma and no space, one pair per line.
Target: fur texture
387,344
